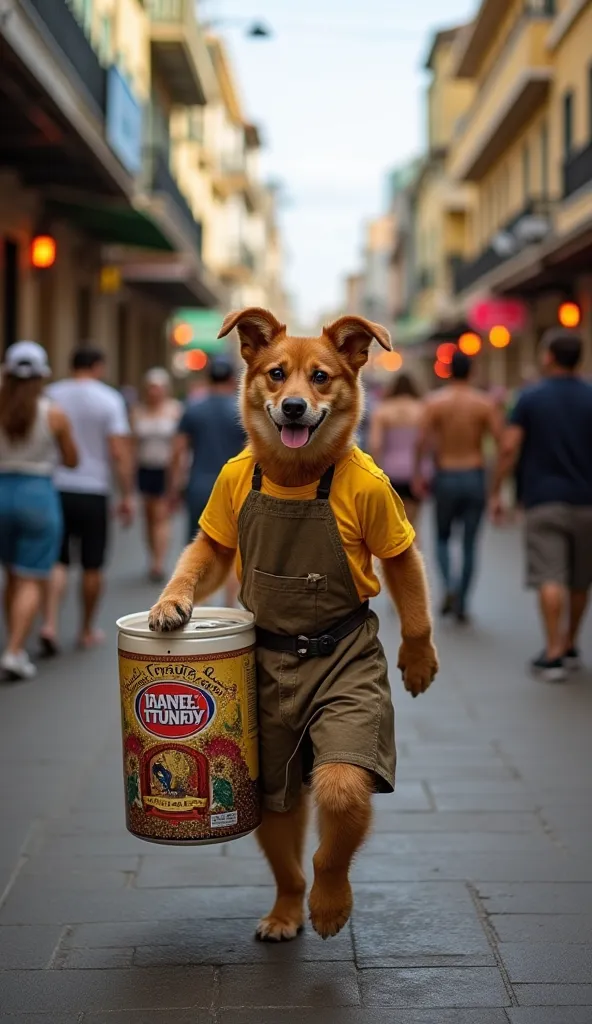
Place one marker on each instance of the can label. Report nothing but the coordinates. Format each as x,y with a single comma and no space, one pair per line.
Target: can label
190,745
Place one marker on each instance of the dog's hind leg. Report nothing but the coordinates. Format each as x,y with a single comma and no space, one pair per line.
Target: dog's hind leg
343,794
282,837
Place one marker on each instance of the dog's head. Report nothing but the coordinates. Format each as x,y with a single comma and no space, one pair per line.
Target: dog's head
301,397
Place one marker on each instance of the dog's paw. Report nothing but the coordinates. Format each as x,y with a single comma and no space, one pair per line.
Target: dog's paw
274,928
330,904
418,662
167,615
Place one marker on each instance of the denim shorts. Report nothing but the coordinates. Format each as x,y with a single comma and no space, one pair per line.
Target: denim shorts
30,524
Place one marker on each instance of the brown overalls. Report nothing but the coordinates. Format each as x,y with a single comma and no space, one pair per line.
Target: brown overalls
335,708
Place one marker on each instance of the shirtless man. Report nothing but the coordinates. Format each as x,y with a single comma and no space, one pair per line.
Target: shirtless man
455,424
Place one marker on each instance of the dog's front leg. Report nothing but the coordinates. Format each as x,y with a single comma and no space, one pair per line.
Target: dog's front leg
200,571
281,837
343,794
406,580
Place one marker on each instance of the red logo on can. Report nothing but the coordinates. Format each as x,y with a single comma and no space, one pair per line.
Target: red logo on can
174,710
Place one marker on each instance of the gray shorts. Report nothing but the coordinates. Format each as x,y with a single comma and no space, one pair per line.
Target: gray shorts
559,545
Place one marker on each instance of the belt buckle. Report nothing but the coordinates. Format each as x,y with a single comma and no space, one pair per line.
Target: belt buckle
327,644
302,645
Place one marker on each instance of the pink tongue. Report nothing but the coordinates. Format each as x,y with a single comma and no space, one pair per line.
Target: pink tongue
295,437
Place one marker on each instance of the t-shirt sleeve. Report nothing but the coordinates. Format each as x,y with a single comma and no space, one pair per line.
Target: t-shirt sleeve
519,414
185,424
218,519
385,528
118,422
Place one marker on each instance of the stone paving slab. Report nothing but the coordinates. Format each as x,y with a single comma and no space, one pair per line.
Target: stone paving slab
554,995
439,986
566,963
537,928
365,1015
549,1015
60,991
293,985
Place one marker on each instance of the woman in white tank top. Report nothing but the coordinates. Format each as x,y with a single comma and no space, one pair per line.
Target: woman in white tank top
34,435
154,423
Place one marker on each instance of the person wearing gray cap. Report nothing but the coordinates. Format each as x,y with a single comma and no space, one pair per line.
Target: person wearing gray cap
35,434
209,434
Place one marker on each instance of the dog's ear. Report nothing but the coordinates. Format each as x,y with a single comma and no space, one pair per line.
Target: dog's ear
353,335
256,328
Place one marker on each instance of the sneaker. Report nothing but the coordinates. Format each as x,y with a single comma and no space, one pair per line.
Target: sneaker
17,666
552,670
572,659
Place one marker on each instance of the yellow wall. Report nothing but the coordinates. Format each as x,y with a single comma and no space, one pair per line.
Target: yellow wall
448,98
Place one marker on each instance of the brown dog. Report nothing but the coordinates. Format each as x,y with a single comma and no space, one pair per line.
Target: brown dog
303,511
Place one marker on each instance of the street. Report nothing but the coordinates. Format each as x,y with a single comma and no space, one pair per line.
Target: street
473,898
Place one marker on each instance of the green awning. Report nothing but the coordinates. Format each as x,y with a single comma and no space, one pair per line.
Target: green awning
113,223
410,330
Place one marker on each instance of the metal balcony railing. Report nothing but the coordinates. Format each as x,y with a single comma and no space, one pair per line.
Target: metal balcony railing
168,10
577,171
68,34
161,179
466,273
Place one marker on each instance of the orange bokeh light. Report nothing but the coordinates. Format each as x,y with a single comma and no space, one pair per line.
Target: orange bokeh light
196,360
469,343
182,334
445,352
500,336
442,370
570,314
391,361
43,251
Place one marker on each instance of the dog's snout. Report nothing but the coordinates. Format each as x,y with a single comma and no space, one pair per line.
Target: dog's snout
294,408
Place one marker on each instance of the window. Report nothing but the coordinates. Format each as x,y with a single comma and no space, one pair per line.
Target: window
541,7
526,172
545,160
568,122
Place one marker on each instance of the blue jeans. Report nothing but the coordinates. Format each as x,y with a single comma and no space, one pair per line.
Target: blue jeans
460,499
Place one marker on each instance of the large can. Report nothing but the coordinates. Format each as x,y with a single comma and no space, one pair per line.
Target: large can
189,720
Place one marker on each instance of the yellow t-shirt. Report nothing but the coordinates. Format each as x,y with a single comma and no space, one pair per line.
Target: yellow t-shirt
369,515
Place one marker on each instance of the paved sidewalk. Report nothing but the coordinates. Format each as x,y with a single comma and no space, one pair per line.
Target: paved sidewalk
473,897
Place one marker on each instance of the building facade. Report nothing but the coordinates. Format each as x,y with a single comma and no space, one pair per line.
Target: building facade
116,143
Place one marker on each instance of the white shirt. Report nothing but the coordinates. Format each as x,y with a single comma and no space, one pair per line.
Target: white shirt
96,412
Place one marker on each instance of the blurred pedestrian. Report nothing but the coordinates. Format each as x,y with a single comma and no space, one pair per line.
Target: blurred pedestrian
394,433
210,433
154,424
455,425
34,435
550,432
101,432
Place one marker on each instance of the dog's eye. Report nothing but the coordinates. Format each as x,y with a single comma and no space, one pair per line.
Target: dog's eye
320,377
277,374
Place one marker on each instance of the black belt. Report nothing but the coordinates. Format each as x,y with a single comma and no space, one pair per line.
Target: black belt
313,646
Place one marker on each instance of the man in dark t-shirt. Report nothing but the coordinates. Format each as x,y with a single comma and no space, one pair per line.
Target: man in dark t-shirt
209,433
550,430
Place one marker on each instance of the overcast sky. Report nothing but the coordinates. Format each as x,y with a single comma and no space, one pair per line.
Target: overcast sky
339,99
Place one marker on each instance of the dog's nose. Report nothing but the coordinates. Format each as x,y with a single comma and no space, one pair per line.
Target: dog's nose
293,408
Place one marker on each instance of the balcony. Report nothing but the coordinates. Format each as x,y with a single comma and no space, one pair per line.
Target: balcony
517,86
160,179
179,52
75,47
577,171
531,225
240,266
486,27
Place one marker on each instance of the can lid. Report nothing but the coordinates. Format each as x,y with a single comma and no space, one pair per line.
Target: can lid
205,622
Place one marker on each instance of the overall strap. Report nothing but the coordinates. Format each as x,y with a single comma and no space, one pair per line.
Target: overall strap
324,488
257,480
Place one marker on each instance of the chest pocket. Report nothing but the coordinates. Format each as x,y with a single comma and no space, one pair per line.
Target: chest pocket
290,604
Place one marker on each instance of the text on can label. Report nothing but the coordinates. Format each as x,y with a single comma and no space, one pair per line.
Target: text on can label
174,710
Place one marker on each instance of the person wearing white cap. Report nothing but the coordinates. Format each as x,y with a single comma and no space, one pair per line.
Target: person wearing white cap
34,434
154,424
